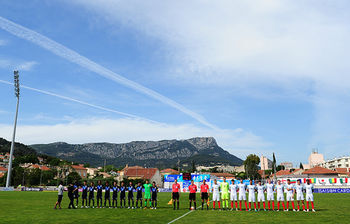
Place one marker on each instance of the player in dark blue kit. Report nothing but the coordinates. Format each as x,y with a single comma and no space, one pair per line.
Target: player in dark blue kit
108,194
76,193
84,195
139,189
122,190
91,194
154,190
115,194
99,194
131,195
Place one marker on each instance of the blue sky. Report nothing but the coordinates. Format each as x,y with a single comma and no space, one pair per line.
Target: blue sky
262,77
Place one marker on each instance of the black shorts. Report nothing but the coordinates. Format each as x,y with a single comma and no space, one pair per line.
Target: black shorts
99,196
122,196
60,198
205,196
192,196
84,196
115,196
176,196
130,196
154,197
76,195
139,196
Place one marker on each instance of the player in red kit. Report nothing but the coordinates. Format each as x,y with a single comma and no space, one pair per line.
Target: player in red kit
193,190
205,194
176,194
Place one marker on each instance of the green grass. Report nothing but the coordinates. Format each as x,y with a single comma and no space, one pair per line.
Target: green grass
36,207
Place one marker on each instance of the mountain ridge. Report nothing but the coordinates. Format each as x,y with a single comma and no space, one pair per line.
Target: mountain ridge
163,153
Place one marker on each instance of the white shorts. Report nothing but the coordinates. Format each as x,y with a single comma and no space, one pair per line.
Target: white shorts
251,198
309,197
242,197
261,197
233,197
300,197
280,197
290,197
270,197
216,197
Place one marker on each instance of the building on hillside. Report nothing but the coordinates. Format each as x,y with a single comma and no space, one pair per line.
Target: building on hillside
221,176
342,162
263,174
265,163
318,171
41,167
169,172
287,165
81,170
92,172
283,173
137,172
3,169
40,159
105,175
4,158
219,168
315,158
239,169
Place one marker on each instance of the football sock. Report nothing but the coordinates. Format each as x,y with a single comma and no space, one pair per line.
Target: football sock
232,204
284,207
195,205
236,204
307,205
250,205
258,205
240,205
190,204
273,205
293,205
312,205
268,204
219,204
264,205
254,205
214,204
278,205
246,207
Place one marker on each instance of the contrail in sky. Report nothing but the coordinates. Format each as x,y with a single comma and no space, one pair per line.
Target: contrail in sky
72,56
79,101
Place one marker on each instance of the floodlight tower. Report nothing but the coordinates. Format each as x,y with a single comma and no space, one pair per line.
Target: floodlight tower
16,79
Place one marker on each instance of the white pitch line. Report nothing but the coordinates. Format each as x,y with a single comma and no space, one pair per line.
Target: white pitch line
183,215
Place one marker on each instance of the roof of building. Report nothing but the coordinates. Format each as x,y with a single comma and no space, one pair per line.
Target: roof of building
76,167
319,170
1,175
261,172
3,168
342,170
169,170
222,174
143,173
283,172
45,168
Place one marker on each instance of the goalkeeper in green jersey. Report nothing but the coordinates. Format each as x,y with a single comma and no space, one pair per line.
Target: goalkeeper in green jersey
147,186
224,186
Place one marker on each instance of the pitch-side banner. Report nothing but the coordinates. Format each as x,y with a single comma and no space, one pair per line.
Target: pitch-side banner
195,177
332,190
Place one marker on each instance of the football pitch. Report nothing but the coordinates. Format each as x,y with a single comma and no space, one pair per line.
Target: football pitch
37,207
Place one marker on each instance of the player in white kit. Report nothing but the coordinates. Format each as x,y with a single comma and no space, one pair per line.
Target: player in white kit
242,195
309,189
216,193
233,193
280,195
251,194
299,189
290,194
270,196
261,196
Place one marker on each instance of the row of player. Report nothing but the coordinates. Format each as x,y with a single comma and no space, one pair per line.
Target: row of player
237,192
88,195
223,191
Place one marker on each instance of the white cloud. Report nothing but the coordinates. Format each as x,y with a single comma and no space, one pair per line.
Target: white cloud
26,66
17,65
237,41
3,42
238,142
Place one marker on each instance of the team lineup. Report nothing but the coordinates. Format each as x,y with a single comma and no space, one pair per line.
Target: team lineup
222,194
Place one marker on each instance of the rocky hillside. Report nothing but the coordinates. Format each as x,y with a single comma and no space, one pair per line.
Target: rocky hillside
164,153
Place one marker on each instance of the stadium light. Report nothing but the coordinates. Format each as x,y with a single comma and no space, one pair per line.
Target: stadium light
16,80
